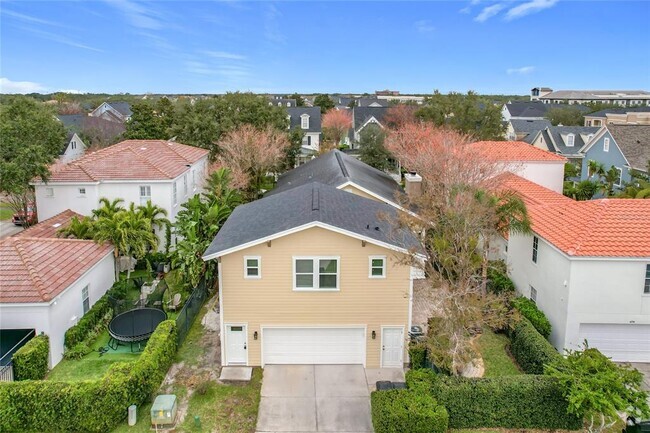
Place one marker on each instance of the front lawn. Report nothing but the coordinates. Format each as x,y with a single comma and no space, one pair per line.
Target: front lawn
496,358
6,212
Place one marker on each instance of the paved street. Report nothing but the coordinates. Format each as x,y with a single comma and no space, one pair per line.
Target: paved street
7,228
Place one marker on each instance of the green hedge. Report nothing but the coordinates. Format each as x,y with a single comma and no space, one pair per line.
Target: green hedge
32,360
401,410
89,322
530,349
529,310
498,282
525,401
418,355
89,406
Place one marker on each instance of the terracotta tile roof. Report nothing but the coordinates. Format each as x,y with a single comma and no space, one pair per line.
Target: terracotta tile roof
48,228
131,160
39,269
514,151
595,228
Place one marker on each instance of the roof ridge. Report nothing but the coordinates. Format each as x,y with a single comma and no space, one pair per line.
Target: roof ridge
344,169
149,163
590,223
39,283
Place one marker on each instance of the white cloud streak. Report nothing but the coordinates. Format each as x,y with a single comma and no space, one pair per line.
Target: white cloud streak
137,14
29,18
524,70
55,37
272,31
529,8
19,87
488,12
224,55
424,26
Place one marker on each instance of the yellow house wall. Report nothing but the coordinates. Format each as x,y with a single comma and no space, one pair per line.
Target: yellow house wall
271,299
357,191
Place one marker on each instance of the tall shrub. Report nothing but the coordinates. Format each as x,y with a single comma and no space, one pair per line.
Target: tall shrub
530,349
537,318
88,323
32,360
401,410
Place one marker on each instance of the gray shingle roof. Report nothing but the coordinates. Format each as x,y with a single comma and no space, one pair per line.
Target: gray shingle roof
123,107
309,203
314,118
336,168
634,142
529,126
536,108
605,112
557,133
72,121
360,115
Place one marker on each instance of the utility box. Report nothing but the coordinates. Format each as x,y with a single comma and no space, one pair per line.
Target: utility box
163,411
133,415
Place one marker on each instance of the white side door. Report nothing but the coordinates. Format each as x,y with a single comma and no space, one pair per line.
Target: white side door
236,345
392,347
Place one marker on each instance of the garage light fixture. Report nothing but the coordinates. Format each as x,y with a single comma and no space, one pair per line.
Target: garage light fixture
255,335
374,335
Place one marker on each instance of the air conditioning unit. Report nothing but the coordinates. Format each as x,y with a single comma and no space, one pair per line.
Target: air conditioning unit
163,411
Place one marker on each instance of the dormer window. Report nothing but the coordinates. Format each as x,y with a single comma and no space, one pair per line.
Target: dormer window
304,121
589,137
570,140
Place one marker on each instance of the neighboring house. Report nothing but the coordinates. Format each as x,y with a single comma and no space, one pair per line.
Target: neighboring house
524,129
314,275
113,111
49,283
361,118
343,172
624,98
529,110
587,267
536,92
72,149
283,102
308,121
619,116
568,141
372,102
539,166
137,171
625,147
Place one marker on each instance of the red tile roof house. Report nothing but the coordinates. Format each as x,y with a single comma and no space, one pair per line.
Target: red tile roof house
165,172
587,266
48,283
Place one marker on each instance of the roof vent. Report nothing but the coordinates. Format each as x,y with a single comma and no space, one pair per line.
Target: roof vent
143,148
315,200
56,225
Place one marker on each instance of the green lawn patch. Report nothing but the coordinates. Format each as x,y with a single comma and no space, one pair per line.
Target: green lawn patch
6,212
496,358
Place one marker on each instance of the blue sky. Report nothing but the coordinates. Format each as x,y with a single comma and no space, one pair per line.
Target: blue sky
489,46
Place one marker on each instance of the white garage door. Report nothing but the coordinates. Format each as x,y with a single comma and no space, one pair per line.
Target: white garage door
313,346
623,342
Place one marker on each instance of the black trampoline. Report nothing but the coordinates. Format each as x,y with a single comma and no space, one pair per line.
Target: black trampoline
134,326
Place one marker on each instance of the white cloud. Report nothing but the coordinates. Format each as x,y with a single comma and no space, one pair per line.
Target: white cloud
29,18
528,8
72,91
488,12
137,14
225,55
424,26
8,86
465,10
524,70
272,30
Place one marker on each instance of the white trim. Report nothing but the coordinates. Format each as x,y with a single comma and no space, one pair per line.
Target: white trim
370,120
221,324
316,274
259,267
372,194
245,330
597,137
381,343
384,267
410,316
364,327
305,227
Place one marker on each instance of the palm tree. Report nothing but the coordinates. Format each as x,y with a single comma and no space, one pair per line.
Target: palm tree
108,208
156,215
610,178
595,168
77,229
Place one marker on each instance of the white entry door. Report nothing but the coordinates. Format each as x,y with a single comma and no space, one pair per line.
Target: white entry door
392,347
236,347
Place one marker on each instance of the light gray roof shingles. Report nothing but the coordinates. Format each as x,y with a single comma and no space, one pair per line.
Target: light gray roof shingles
314,118
560,146
634,142
529,126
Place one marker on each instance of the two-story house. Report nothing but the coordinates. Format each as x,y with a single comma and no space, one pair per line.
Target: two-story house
113,111
137,171
314,275
362,116
308,121
525,129
587,266
568,141
619,116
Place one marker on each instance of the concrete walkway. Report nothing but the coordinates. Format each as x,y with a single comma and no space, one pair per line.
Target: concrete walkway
314,398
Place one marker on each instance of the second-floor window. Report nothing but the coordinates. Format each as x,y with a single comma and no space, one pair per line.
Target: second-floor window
535,246
185,184
377,267
606,145
252,267
316,273
174,194
145,194
646,286
304,122
73,144
570,140
49,192
82,192
85,300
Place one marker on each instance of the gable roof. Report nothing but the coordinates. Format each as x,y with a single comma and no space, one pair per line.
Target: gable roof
72,121
335,168
514,151
557,134
634,142
595,228
314,118
361,115
312,204
124,108
131,160
528,125
535,108
34,269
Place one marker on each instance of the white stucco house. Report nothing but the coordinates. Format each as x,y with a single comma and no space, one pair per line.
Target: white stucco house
73,148
164,172
49,283
587,266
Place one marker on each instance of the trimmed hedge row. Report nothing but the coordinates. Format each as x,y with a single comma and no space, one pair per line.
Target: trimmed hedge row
402,410
89,406
31,361
498,282
525,401
418,355
88,323
529,310
530,349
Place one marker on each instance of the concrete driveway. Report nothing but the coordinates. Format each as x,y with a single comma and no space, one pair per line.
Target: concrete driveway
314,398
7,228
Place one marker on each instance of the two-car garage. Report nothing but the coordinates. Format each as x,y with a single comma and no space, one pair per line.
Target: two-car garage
621,342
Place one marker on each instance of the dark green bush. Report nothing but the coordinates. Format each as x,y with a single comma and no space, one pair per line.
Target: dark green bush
95,318
418,355
88,406
78,351
498,282
530,349
525,401
32,360
529,310
401,410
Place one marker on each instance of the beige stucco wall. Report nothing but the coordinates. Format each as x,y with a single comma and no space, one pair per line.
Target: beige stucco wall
271,299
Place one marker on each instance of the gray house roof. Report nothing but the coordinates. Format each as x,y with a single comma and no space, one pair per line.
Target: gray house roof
306,204
634,142
366,102
314,118
536,108
335,169
559,134
72,122
123,108
529,126
282,102
360,115
605,112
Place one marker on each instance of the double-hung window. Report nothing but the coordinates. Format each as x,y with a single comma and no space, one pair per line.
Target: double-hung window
85,299
377,267
185,184
252,267
316,273
145,194
646,286
535,247
174,194
533,294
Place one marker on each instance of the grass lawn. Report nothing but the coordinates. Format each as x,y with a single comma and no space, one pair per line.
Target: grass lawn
496,358
91,366
5,212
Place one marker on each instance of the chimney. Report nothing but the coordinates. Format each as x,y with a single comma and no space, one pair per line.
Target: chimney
413,184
